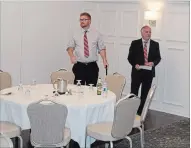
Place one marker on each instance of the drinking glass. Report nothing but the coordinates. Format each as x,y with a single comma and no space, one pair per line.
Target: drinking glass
56,92
78,82
27,91
45,97
33,82
80,90
20,87
91,87
78,86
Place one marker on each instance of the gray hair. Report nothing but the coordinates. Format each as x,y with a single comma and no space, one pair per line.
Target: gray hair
146,26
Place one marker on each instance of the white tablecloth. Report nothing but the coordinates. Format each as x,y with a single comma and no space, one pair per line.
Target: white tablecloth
82,110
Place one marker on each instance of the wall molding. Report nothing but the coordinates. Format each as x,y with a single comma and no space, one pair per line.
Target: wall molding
179,41
173,103
135,1
176,49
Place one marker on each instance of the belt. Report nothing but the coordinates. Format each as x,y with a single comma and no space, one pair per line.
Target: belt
86,63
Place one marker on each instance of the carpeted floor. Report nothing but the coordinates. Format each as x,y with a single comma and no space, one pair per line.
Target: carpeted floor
175,135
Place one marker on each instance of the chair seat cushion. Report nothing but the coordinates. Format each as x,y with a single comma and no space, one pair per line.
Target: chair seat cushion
101,131
67,137
137,121
9,129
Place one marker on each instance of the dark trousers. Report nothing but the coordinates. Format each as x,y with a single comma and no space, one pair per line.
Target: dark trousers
145,78
86,72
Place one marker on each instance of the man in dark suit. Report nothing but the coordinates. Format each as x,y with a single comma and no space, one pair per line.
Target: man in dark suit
145,52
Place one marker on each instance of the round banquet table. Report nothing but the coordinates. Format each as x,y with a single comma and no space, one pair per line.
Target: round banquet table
83,109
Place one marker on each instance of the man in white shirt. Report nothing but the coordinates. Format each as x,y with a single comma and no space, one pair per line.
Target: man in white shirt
143,52
83,49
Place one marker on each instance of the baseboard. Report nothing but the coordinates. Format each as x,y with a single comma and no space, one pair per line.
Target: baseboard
157,106
169,109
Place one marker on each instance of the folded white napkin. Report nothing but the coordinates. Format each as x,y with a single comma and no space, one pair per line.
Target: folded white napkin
5,92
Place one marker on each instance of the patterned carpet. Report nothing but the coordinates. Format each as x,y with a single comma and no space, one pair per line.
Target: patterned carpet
175,135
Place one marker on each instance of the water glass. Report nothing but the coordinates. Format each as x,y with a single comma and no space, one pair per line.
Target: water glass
20,87
80,89
27,91
45,97
33,82
91,88
56,92
78,86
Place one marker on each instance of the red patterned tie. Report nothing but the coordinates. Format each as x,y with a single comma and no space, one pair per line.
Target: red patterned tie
86,48
145,52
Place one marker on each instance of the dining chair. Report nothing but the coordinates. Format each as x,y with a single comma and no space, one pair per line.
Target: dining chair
5,141
47,119
116,83
5,80
11,130
139,120
64,74
124,115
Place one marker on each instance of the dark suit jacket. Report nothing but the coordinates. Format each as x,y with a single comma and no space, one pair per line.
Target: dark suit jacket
136,55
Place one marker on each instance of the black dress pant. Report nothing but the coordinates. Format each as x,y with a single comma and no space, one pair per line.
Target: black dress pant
145,78
86,72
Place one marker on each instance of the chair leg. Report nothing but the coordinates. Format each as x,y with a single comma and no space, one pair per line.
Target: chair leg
111,144
106,145
143,133
130,141
21,141
85,139
142,137
68,145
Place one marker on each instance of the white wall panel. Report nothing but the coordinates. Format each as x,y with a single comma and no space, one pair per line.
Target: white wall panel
173,91
44,39
129,23
44,29
178,27
10,54
174,84
108,26
124,67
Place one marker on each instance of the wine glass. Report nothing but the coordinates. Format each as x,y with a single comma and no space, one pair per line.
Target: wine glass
33,82
27,91
56,92
78,82
91,87
78,85
79,88
45,97
20,87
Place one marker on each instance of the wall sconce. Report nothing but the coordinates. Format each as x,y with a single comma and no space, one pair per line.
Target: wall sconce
151,17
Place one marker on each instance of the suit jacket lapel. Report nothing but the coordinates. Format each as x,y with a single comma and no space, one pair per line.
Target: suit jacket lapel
141,48
141,45
150,51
